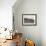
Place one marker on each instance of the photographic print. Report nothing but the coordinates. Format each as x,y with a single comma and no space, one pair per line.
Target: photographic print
29,19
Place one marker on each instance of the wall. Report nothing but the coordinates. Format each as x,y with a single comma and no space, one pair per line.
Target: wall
28,7
6,13
43,22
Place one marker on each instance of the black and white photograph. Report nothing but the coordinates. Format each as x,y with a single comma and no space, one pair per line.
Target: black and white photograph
29,19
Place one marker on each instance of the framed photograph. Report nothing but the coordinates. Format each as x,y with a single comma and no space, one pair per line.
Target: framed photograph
29,19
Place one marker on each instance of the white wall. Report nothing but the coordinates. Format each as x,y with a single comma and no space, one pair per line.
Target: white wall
28,7
6,13
43,22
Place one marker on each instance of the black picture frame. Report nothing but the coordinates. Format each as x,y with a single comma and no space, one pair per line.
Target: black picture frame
29,19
